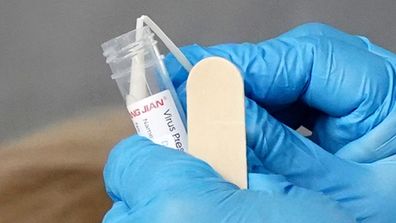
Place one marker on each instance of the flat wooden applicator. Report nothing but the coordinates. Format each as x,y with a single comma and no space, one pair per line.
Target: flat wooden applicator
216,118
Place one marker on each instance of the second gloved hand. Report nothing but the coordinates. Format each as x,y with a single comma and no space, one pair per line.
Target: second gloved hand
368,191
149,183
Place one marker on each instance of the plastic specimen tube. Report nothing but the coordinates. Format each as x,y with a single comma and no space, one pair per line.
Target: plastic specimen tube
144,83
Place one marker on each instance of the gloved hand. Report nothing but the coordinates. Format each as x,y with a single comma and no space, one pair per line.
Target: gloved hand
153,184
339,85
312,68
348,85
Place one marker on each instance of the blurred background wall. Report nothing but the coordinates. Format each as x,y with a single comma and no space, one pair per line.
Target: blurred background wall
51,64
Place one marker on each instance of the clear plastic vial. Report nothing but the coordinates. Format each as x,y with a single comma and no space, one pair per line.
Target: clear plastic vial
144,83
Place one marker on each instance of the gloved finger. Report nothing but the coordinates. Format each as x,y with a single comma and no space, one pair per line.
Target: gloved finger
376,145
275,62
283,151
138,170
379,142
178,73
320,29
293,115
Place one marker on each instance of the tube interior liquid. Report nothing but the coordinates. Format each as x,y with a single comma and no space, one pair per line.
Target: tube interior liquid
151,98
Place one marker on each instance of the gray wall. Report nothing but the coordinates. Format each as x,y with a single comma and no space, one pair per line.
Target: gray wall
51,65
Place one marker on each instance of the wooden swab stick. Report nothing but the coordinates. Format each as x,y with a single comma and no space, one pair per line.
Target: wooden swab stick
216,118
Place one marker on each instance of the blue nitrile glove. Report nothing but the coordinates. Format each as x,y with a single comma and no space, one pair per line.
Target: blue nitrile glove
154,184
342,86
368,191
290,72
347,86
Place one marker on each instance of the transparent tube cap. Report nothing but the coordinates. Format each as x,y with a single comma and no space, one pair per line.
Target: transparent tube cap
120,51
137,48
